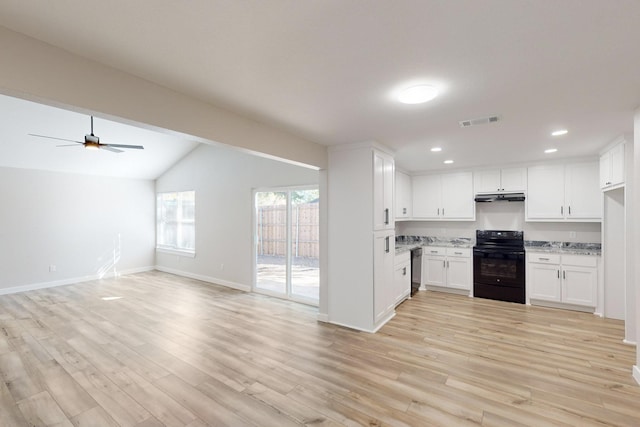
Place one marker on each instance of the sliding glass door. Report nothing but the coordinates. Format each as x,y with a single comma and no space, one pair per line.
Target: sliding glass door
287,243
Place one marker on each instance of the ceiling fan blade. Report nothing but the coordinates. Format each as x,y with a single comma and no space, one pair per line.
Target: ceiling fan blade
138,147
67,145
53,137
113,150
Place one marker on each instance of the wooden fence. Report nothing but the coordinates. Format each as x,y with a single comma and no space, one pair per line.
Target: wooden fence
271,225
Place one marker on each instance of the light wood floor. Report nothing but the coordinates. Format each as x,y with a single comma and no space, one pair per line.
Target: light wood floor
175,352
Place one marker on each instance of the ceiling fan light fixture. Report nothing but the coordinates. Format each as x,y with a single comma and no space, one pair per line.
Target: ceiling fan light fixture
418,94
91,145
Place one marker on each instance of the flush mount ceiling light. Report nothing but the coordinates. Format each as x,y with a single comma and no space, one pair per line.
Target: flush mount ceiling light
418,94
550,150
448,162
559,132
436,149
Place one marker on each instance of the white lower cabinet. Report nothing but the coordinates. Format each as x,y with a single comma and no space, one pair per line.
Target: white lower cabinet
402,277
383,260
566,279
446,267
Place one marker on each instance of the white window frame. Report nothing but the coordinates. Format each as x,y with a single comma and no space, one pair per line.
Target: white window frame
172,249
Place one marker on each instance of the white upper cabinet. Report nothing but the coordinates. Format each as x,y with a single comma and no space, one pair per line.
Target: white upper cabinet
383,176
404,202
612,167
509,180
545,194
564,193
444,197
583,200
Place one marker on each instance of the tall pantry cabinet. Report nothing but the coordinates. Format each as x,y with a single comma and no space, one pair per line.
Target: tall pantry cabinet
361,236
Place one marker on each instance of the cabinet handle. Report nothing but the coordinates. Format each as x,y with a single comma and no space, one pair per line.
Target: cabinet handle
447,264
558,273
386,244
543,259
561,210
444,264
404,271
386,216
442,211
458,253
434,252
569,210
438,211
564,274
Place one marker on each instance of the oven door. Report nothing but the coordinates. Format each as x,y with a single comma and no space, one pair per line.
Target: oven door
499,267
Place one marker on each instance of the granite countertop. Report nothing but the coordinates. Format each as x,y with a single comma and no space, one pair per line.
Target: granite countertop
572,248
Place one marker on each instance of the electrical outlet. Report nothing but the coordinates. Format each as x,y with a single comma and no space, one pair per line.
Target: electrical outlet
52,268
572,234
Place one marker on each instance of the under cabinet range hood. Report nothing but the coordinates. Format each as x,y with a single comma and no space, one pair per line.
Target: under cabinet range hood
500,197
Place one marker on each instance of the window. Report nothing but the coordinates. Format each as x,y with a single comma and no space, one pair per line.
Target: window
176,221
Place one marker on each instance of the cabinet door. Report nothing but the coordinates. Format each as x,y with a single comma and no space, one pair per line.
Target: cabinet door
402,282
459,273
403,196
544,282
383,176
579,285
545,197
617,165
605,170
383,257
433,270
487,181
457,196
514,179
427,196
583,198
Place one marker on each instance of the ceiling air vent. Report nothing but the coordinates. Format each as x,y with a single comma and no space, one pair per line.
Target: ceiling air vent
480,121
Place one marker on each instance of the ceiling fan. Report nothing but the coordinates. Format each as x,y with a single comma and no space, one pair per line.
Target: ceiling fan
92,142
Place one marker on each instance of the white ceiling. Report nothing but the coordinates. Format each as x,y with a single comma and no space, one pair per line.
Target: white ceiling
327,69
18,149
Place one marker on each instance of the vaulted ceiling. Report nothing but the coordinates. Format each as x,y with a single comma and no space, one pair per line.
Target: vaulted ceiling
328,70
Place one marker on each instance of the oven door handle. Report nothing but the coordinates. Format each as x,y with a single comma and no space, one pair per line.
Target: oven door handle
498,252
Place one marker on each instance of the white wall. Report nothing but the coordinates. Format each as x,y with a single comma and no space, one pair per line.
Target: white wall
503,216
84,225
636,232
223,180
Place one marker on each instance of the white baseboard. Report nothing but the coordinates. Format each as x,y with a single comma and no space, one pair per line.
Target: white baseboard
629,342
71,281
323,317
203,278
636,373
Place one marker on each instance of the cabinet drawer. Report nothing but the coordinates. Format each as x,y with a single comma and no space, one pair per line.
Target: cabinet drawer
459,252
433,250
580,260
544,258
402,257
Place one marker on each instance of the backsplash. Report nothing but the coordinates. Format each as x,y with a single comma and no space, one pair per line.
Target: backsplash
562,245
433,240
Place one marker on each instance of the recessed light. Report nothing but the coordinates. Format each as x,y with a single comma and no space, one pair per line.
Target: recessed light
436,149
559,132
550,150
448,162
418,94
